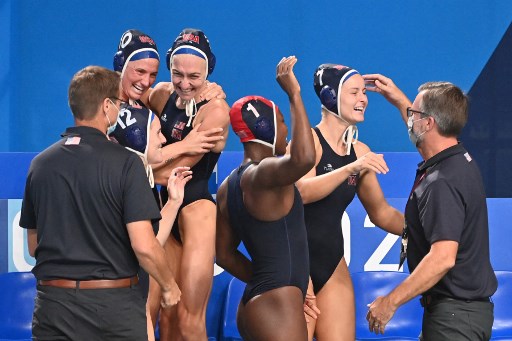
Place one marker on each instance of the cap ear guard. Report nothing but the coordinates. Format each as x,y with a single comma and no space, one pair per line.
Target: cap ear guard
118,61
328,98
211,63
264,129
133,129
168,58
136,138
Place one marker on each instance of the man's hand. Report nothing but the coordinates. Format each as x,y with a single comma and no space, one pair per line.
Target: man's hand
379,314
388,89
171,296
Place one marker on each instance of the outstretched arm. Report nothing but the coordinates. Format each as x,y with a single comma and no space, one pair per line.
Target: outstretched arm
388,89
301,158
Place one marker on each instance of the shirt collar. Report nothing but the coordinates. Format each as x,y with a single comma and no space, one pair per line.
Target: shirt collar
82,131
456,149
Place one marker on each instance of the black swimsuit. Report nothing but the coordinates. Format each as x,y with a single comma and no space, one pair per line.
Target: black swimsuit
323,217
278,249
174,128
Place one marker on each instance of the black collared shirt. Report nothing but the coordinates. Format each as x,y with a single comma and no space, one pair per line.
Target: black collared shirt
448,202
79,195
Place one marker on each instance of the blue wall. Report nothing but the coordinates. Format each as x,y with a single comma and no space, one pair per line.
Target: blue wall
361,239
45,42
366,247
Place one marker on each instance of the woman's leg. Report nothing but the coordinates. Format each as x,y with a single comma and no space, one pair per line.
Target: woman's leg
337,308
276,315
151,328
197,229
153,304
168,319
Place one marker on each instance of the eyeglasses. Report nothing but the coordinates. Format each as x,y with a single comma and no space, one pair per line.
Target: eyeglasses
411,112
122,104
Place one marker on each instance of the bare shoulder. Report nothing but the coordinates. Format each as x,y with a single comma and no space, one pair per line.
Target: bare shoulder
218,104
361,148
316,140
159,96
215,111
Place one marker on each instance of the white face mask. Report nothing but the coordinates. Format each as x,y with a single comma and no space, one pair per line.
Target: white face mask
112,127
415,139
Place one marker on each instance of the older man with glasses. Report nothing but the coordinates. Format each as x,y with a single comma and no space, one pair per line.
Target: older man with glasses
446,227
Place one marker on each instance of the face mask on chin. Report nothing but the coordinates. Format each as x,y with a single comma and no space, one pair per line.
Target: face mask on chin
415,138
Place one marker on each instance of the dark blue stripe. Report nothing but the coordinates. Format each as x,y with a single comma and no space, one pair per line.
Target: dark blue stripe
145,55
185,50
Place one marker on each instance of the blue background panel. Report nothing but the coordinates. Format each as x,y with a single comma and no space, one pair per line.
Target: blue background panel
46,42
367,248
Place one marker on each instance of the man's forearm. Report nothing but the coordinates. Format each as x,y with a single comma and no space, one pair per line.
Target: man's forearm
155,264
428,272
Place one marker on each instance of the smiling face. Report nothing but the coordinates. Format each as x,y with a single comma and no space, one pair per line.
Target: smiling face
156,140
188,73
138,77
353,99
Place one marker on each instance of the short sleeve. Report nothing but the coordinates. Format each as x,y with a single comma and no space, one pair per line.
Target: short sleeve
441,211
28,215
138,200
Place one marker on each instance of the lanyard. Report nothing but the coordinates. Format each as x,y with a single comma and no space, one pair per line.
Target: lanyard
405,232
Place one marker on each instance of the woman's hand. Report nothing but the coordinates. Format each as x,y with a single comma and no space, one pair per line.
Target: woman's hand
176,183
285,76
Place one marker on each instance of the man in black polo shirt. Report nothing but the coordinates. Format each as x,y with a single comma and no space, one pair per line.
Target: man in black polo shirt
446,236
88,211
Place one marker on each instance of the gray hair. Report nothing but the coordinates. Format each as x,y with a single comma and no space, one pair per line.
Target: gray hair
447,104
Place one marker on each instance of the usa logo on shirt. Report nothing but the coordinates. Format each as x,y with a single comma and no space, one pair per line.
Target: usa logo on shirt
177,131
352,180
